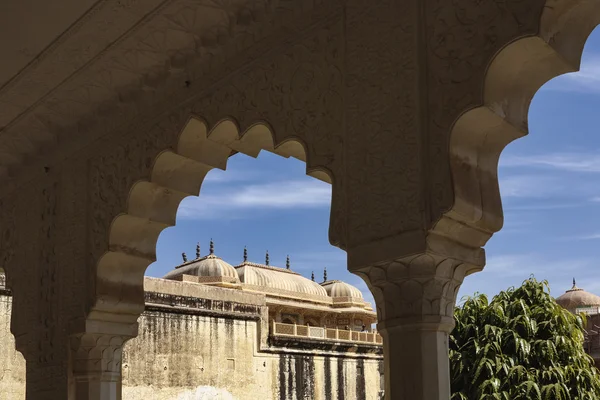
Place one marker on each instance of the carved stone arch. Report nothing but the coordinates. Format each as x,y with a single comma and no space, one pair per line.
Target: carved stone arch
479,135
176,173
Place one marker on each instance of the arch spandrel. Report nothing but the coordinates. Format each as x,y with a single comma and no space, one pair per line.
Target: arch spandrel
151,204
512,78
422,155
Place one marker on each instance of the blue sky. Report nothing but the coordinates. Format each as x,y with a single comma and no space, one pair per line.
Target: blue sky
549,180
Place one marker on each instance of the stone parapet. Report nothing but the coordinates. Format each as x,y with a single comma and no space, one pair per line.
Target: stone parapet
200,306
325,334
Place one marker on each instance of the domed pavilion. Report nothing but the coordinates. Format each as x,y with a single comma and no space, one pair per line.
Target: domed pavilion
290,297
577,300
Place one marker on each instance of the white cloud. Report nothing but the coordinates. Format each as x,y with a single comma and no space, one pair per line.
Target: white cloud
594,236
228,202
540,206
572,162
517,264
220,176
506,270
527,186
290,194
586,80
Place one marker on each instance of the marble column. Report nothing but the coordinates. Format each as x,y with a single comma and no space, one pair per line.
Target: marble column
415,298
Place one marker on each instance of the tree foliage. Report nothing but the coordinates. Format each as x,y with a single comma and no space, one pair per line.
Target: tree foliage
521,346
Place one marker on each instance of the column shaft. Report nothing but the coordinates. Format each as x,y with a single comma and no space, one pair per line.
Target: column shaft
416,363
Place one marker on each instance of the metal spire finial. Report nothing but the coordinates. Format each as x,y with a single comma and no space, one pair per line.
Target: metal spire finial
574,284
325,274
312,276
184,257
267,258
212,246
245,254
198,250
287,262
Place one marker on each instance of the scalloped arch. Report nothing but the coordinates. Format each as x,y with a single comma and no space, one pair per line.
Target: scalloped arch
479,135
152,205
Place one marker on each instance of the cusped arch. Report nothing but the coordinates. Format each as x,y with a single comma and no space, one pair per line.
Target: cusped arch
480,134
152,205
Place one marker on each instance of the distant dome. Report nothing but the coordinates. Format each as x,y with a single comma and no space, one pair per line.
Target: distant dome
345,295
209,269
341,289
576,298
274,280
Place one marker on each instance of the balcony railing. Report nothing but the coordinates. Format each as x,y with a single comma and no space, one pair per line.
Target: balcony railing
314,332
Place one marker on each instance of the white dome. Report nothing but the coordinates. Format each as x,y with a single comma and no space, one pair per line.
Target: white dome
274,280
338,289
206,267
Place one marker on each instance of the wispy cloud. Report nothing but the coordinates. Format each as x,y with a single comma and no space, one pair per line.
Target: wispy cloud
504,271
515,264
586,80
221,176
527,186
273,195
594,236
572,162
540,206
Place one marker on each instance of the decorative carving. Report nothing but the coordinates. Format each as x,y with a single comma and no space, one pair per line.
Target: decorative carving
130,78
8,232
113,174
48,313
97,357
416,289
383,132
463,37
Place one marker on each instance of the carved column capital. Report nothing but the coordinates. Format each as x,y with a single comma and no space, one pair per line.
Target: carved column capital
97,356
415,296
417,291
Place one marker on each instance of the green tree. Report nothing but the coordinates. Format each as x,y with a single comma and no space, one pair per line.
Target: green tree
522,345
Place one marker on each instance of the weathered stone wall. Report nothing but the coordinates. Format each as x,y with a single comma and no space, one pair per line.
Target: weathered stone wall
178,355
12,363
192,347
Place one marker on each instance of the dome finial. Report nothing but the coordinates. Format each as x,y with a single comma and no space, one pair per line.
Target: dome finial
267,258
245,254
574,284
287,262
184,257
312,276
198,250
212,247
325,274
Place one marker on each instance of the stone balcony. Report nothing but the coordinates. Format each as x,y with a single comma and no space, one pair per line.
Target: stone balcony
325,334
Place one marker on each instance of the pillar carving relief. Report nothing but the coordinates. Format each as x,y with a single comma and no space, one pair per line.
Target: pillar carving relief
96,365
422,154
415,297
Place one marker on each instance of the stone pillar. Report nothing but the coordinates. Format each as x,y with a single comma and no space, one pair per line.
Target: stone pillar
96,362
415,298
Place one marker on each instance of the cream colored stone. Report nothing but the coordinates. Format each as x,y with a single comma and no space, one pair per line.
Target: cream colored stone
12,363
180,352
404,106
